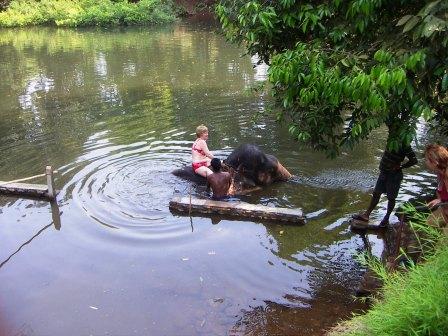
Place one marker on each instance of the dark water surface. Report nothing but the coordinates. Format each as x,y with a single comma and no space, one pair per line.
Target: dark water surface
115,112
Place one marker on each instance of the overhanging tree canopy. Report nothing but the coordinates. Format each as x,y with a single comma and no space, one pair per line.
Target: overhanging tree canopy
344,68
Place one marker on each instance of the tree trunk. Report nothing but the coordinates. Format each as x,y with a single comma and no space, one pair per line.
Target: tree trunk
4,4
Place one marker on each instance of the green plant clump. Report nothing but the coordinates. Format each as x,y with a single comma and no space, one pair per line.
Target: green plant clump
415,303
86,13
415,300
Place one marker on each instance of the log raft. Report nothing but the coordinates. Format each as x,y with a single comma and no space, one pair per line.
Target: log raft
236,209
16,187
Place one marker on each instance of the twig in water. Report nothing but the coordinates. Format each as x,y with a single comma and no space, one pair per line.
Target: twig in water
398,242
189,209
189,213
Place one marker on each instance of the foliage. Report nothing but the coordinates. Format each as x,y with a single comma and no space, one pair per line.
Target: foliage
86,12
414,301
429,237
343,68
414,304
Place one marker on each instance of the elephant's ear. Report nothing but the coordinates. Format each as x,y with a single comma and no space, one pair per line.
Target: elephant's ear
271,163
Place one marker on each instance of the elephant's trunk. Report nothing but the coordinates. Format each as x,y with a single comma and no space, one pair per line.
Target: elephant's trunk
282,173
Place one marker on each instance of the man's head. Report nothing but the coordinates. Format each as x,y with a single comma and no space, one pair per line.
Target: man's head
216,165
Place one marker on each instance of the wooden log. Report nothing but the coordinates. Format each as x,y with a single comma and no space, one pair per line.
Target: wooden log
358,225
236,209
16,187
26,189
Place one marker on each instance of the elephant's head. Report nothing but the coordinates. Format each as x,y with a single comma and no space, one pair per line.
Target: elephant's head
250,161
272,171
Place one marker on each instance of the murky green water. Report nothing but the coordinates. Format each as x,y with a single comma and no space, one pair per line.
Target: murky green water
115,112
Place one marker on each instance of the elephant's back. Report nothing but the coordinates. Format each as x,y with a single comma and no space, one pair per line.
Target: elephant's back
187,173
248,155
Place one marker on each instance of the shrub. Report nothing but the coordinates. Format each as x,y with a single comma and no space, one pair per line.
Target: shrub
86,12
414,303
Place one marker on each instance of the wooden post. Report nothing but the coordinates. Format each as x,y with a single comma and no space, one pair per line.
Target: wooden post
50,182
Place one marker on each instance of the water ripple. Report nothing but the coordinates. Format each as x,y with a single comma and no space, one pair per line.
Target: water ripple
128,187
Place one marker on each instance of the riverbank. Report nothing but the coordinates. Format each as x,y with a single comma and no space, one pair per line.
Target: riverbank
413,299
196,7
75,13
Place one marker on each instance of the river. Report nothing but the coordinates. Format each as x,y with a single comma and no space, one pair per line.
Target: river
114,111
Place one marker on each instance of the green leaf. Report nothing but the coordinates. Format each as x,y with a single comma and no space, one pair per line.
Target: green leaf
403,20
432,25
427,9
411,24
445,82
427,113
410,90
439,71
292,129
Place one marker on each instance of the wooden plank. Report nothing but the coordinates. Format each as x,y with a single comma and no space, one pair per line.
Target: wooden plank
237,209
27,189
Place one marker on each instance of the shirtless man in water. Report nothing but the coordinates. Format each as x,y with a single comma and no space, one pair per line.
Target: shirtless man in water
219,181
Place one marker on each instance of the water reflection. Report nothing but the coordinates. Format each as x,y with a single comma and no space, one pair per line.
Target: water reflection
151,73
56,217
271,318
39,83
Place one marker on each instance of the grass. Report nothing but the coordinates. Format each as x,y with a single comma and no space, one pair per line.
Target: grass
86,13
415,302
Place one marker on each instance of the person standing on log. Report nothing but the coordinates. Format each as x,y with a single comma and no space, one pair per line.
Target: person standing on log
200,155
389,181
219,181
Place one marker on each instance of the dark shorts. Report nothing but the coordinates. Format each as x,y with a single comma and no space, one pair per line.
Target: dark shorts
389,183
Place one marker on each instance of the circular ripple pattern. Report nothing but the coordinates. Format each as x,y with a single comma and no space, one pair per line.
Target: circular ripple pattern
129,187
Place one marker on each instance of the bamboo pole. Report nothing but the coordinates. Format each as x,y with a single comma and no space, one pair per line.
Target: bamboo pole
25,178
50,182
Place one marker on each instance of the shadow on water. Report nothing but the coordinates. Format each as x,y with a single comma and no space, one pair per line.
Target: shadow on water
55,215
276,319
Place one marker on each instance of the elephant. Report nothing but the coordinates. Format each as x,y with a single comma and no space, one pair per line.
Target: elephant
187,173
249,166
250,162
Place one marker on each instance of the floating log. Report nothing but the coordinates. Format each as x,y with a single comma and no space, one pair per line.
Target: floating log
37,190
236,209
31,190
358,225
